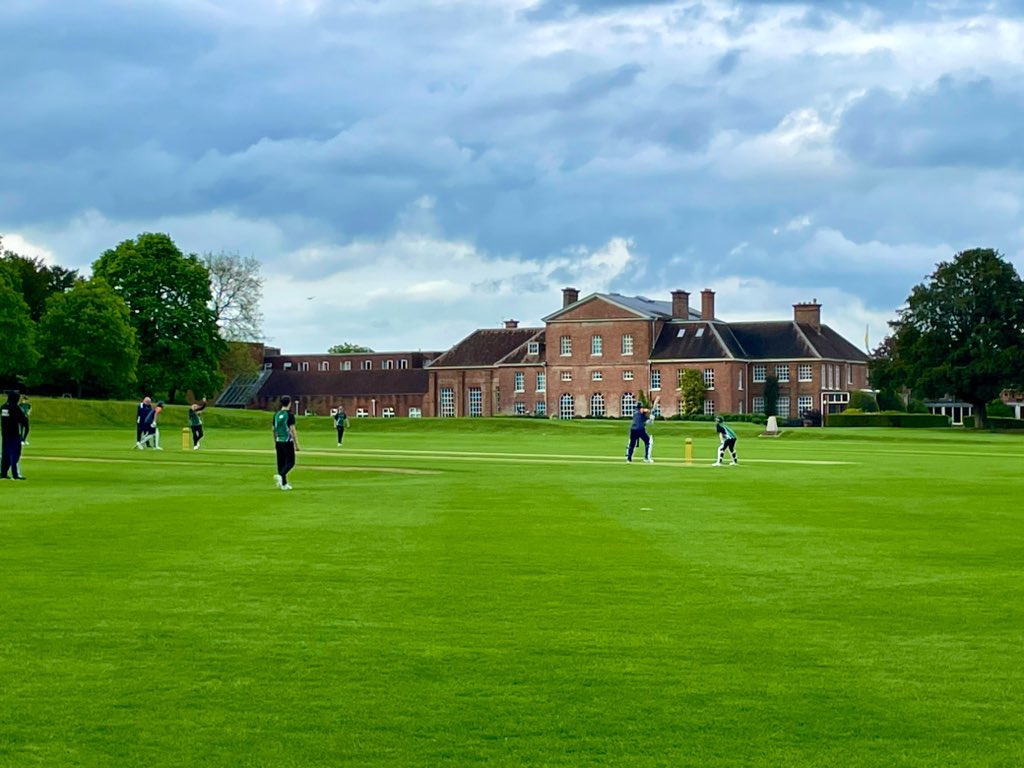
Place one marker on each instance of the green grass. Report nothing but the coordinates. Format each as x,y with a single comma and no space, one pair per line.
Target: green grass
509,592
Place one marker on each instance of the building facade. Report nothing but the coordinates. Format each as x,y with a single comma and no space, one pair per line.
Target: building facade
591,358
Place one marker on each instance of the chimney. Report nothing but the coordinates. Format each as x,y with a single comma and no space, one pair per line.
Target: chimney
681,304
707,304
569,296
511,323
808,314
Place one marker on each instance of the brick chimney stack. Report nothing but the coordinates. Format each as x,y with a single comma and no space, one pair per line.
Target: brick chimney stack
707,304
808,314
569,296
511,323
681,304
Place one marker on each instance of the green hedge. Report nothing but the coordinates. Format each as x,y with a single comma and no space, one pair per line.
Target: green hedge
997,423
753,418
889,419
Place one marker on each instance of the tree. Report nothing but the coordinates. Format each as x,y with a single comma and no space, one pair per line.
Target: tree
771,395
345,347
236,289
168,297
36,280
238,359
87,341
17,335
961,333
691,391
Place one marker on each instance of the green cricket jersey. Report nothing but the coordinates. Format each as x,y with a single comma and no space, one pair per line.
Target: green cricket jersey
281,421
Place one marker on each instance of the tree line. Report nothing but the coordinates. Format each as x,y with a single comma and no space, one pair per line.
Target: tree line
150,319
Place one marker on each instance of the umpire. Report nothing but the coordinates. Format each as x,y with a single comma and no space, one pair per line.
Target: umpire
13,429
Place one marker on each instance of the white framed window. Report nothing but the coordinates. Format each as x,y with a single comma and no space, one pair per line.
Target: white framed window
519,408
709,407
303,366
387,365
596,345
597,376
403,363
782,407
542,383
758,404
655,379
520,381
804,372
387,412
346,365
849,374
627,406
566,375
627,343
709,378
541,409
782,373
760,374
627,375
366,365
325,365
597,405
804,403
287,366
533,348
566,407
415,413
447,408
739,379
475,398
565,346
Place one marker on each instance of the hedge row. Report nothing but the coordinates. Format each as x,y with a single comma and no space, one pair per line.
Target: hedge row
892,419
997,423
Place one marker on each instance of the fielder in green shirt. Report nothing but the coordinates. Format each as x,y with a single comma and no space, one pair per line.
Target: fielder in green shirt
726,442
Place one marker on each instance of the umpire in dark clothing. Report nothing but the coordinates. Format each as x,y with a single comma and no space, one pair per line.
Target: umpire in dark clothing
13,429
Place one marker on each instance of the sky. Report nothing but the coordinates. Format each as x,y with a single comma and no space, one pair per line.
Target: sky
407,171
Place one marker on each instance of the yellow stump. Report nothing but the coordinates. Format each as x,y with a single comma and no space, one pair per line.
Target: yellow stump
689,450
185,434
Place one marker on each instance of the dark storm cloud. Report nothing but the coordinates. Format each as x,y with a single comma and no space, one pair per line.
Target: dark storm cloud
952,123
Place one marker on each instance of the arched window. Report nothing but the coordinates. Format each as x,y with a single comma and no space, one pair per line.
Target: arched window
628,405
597,405
566,407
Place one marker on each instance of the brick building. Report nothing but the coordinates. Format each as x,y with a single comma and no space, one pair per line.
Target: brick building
591,358
595,354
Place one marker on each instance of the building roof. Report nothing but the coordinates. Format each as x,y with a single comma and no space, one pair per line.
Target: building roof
409,381
485,347
783,340
649,309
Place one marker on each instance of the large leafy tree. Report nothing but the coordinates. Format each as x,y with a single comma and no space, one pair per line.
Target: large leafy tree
961,332
236,288
87,341
37,280
17,335
168,296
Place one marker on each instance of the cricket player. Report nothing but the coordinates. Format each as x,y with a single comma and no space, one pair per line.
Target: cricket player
13,431
286,442
638,434
726,442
